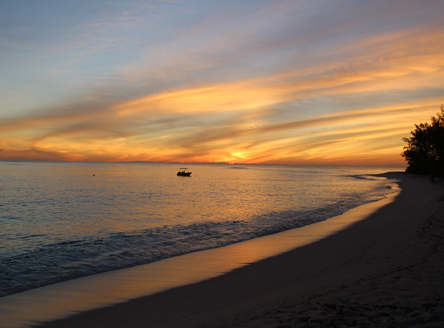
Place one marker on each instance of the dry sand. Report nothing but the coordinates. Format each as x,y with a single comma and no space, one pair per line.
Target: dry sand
384,271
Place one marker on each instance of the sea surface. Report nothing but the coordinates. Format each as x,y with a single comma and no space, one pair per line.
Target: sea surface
60,221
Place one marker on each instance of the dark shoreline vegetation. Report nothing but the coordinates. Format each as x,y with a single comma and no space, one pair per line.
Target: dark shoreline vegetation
424,152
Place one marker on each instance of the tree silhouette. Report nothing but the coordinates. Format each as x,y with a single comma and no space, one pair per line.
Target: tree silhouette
424,152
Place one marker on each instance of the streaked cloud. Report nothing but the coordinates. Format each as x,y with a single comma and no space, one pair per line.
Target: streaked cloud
290,82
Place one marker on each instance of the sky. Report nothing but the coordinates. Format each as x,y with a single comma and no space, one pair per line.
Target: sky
302,82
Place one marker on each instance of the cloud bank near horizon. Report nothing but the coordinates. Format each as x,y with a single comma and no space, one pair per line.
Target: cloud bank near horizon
274,82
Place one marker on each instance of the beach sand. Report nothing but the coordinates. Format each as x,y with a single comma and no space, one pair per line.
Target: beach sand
384,271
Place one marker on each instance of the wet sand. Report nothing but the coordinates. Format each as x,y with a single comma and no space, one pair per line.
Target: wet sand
386,270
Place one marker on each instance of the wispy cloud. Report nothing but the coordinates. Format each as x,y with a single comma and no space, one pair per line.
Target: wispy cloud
261,82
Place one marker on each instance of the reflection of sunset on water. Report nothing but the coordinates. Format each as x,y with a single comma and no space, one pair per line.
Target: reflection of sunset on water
66,220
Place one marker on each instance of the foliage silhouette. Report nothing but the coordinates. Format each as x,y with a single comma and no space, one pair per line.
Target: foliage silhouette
424,152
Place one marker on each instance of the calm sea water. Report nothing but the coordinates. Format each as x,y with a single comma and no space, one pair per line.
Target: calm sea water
60,221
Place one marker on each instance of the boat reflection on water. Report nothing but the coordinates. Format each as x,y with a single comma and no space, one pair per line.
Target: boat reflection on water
183,172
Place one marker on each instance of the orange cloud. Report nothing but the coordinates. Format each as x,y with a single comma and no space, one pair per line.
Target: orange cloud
352,107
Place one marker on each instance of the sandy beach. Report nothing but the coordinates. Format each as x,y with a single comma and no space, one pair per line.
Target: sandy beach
384,271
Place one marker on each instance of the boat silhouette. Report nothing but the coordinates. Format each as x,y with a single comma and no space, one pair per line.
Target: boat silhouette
183,172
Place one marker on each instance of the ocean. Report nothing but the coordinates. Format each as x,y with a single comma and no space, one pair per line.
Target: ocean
61,221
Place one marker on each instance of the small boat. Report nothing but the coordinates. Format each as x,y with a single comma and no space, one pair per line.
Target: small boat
183,172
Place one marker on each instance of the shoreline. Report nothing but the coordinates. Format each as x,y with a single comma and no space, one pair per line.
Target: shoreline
97,235
87,293
248,294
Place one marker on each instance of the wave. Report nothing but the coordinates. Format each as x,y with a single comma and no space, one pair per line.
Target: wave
65,260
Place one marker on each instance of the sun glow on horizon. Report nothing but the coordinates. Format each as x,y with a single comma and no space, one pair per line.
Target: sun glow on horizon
239,83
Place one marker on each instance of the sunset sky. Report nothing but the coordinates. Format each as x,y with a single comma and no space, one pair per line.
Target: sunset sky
276,82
